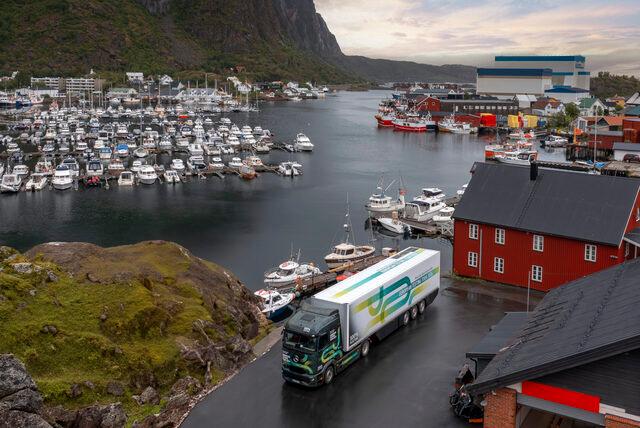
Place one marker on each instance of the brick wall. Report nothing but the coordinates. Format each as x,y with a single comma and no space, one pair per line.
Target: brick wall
611,421
500,411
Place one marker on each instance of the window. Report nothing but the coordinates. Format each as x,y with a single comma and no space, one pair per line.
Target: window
590,253
637,214
498,264
538,243
472,259
323,341
536,273
473,231
500,236
626,249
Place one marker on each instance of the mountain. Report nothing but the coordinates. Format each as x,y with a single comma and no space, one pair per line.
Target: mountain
270,39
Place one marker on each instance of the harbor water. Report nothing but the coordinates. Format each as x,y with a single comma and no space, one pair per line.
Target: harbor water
251,226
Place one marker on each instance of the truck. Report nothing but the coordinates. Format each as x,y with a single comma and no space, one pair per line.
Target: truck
338,325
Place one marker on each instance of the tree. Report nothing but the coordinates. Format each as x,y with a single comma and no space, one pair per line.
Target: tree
599,111
572,111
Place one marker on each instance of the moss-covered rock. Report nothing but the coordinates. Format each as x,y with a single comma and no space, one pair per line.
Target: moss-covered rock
143,315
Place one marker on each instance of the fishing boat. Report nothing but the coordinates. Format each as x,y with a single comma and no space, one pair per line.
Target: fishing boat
62,177
115,167
37,181
289,272
345,252
449,124
147,175
379,203
247,172
524,157
274,304
423,210
303,143
411,122
235,163
171,177
126,178
10,183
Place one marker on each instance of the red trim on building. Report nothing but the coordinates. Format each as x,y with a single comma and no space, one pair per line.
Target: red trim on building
578,400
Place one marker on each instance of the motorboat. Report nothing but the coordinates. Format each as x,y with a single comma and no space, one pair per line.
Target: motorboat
116,166
21,170
195,149
303,143
449,124
136,165
141,152
171,177
37,181
444,216
126,178
182,144
12,147
461,191
257,131
247,172
290,169
428,194
211,149
44,166
423,210
555,141
393,224
95,169
177,165
72,164
379,203
233,141
104,153
62,177
261,147
235,163
253,161
216,164
81,146
165,144
10,183
49,149
147,175
345,253
196,164
289,272
273,303
524,157
122,150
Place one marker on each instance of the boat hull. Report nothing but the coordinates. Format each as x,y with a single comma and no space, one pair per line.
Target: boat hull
337,263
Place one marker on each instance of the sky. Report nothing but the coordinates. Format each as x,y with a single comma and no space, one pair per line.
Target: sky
469,32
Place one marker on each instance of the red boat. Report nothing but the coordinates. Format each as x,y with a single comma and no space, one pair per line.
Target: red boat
410,123
384,120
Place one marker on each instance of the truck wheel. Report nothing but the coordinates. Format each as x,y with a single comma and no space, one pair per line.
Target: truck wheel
414,312
366,346
422,306
329,374
406,318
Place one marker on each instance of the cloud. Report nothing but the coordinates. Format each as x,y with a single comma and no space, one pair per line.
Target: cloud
472,32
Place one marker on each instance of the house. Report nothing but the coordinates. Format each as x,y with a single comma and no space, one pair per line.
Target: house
543,227
632,110
546,106
573,362
165,80
621,149
591,107
135,77
616,101
633,101
121,93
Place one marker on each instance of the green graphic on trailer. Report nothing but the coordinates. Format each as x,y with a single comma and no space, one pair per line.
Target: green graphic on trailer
397,295
332,351
304,364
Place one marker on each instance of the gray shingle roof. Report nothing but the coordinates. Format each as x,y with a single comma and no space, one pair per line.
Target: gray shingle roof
587,320
635,147
499,335
586,207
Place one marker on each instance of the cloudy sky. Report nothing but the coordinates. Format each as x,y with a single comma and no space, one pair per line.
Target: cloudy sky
472,32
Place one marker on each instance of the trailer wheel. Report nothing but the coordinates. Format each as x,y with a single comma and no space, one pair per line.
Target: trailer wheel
406,318
422,306
414,312
366,346
329,374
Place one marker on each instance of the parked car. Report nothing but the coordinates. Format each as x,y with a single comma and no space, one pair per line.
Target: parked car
631,158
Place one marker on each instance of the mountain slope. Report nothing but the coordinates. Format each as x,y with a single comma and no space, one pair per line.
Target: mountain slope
271,39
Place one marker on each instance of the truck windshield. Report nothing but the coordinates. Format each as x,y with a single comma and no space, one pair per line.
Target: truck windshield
299,341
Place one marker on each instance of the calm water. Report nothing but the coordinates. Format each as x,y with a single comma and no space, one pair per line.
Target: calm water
252,226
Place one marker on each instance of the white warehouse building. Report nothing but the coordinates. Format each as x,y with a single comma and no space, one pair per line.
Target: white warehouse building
507,82
566,70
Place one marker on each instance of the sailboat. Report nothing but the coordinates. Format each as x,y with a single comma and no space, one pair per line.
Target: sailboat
345,252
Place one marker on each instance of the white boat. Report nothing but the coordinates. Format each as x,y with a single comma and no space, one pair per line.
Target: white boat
379,203
45,167
394,225
423,210
95,169
136,165
37,181
141,152
72,164
216,164
22,171
147,175
12,147
290,272
182,144
10,183
211,149
177,165
126,178
524,157
273,303
104,153
290,169
430,193
449,124
116,166
461,191
345,253
165,144
253,161
233,141
171,176
196,164
81,146
444,216
303,143
261,147
235,163
62,177
555,141
195,149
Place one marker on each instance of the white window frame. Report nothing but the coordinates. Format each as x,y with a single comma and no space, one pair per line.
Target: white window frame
472,259
538,239
536,273
627,249
498,265
590,253
638,214
500,236
473,231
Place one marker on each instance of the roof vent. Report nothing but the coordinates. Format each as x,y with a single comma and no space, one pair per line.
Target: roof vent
533,171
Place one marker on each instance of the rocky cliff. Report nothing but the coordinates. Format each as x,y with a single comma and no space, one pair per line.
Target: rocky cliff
119,334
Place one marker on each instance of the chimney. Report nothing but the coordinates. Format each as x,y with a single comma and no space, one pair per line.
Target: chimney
533,171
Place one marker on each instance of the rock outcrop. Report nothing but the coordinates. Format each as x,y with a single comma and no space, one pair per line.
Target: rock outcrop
20,401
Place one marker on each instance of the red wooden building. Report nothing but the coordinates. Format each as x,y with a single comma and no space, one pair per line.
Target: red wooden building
543,227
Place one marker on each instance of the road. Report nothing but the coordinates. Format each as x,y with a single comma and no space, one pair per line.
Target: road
404,382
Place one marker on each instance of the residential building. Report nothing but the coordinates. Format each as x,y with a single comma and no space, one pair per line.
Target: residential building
135,77
591,107
165,80
121,93
80,85
543,227
633,101
570,362
546,106
47,82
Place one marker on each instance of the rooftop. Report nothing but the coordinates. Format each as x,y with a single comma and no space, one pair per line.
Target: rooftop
520,72
553,58
565,90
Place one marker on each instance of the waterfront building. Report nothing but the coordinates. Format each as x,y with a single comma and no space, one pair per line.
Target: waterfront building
572,361
591,107
135,77
547,106
566,70
47,82
507,82
567,94
121,93
542,227
79,85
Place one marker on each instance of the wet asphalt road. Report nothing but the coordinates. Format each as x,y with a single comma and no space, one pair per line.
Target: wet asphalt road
404,382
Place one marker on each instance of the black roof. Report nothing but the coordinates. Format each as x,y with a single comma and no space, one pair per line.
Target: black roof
311,320
499,335
627,146
584,321
586,207
633,236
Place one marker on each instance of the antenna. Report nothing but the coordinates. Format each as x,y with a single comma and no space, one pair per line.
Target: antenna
390,184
